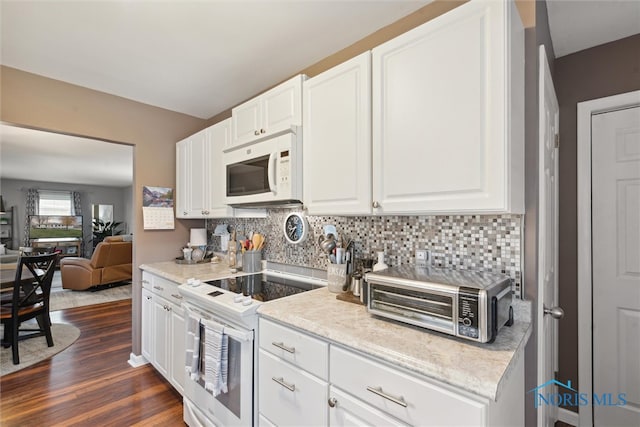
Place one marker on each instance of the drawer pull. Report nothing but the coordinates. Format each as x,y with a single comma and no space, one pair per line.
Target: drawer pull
400,401
158,288
284,347
176,296
290,387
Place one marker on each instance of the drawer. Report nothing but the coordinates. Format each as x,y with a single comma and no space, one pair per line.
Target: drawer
297,348
349,411
162,287
289,396
412,400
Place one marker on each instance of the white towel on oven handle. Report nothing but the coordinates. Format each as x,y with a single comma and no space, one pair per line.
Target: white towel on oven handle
215,349
192,359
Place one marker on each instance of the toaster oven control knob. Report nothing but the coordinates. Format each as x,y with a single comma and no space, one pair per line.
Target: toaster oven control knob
466,321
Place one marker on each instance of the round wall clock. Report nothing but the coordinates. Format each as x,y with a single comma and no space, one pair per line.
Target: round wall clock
296,228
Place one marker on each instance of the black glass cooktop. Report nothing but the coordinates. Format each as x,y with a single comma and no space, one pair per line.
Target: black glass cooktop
259,289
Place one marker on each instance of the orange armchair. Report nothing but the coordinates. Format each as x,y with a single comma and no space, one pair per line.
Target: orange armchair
111,262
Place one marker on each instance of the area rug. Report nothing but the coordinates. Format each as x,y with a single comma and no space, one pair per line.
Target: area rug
34,350
66,298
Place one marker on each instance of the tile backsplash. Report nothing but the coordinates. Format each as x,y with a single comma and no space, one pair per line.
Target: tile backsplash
480,242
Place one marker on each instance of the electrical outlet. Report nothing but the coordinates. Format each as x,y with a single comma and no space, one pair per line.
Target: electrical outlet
423,258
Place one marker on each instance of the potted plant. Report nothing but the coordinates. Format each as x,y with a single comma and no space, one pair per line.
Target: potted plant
103,229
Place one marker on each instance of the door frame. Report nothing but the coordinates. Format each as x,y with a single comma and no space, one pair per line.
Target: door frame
587,109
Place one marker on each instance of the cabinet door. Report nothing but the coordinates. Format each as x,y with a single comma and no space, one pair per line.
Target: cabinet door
246,121
290,396
200,172
282,106
183,179
220,138
177,372
337,139
440,110
349,411
148,330
193,175
162,329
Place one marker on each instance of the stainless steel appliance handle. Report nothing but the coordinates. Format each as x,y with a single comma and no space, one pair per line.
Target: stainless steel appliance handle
229,330
283,383
397,400
281,345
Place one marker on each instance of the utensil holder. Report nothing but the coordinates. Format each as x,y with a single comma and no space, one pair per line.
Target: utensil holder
252,261
337,277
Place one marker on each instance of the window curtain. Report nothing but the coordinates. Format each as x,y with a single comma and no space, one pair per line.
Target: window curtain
77,205
31,208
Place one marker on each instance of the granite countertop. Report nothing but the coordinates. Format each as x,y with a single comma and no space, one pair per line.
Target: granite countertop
180,273
478,368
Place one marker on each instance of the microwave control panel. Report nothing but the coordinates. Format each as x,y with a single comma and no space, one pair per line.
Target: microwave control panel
284,169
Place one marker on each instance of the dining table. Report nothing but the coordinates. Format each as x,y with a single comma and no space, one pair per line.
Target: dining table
8,276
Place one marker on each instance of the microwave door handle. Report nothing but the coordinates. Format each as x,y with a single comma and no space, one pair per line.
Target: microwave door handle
271,173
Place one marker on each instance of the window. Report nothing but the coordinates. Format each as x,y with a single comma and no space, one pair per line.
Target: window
55,203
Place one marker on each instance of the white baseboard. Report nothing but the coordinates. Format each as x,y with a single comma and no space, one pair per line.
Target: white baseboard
137,361
568,417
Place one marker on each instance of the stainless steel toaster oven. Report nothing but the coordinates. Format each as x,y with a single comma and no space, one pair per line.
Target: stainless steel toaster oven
467,304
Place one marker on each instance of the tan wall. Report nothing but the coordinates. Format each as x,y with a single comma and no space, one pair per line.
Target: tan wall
34,101
601,71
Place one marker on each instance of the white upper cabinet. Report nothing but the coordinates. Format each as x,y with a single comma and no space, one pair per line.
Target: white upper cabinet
269,113
448,114
193,175
200,176
337,139
220,139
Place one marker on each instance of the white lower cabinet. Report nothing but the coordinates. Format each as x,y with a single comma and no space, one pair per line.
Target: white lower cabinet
290,396
346,410
163,328
294,389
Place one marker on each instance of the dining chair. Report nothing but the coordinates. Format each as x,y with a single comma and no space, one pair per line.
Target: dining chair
30,300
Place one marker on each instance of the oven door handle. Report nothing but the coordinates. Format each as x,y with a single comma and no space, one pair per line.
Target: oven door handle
227,329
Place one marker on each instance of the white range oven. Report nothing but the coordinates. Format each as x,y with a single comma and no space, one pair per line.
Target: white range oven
230,305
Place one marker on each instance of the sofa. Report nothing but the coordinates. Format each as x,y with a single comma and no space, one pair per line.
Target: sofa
110,263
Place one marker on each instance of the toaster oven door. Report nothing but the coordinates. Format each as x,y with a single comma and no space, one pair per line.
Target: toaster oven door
432,309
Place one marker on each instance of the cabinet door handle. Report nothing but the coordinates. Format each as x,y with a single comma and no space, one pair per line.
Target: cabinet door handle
281,345
283,383
333,402
397,400
256,132
184,213
376,205
263,131
148,297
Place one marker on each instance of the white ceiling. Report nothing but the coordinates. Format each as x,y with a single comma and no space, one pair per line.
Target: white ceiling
576,25
202,57
53,157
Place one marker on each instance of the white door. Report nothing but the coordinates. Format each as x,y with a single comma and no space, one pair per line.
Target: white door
548,238
616,264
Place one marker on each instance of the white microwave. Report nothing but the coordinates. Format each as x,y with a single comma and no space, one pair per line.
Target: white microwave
266,172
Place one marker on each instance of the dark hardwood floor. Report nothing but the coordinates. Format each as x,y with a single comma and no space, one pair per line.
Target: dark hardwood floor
90,383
